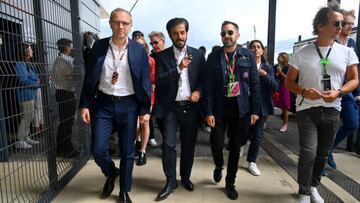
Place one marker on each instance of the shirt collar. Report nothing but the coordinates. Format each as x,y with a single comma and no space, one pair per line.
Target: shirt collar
116,47
67,58
177,52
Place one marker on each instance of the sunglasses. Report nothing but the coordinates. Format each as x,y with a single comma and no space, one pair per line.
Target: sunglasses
120,22
339,24
154,43
223,33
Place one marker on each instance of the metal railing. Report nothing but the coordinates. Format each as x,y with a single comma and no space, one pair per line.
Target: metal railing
42,142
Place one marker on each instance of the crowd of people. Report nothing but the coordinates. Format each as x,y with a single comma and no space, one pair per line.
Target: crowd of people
233,91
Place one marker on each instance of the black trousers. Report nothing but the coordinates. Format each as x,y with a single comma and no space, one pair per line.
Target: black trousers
186,117
67,107
237,130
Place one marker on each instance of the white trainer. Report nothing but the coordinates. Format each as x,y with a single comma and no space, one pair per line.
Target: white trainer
31,141
304,198
241,151
253,169
152,142
22,144
315,196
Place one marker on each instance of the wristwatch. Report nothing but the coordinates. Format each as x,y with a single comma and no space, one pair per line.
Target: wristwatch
341,93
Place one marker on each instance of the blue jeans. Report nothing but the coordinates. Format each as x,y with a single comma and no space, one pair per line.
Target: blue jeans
350,119
256,131
317,127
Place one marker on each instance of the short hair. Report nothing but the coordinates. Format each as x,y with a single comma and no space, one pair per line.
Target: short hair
137,33
226,22
116,10
177,21
263,57
322,17
158,34
349,13
63,43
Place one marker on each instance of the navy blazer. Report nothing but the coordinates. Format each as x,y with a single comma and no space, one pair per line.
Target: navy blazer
352,44
139,70
167,78
268,85
247,74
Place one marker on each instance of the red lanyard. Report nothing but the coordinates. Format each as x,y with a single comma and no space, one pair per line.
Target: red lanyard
231,66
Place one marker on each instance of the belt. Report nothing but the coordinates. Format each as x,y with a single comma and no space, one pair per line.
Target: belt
183,103
112,97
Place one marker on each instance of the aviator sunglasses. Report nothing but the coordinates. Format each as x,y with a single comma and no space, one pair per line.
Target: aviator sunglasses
223,33
154,43
339,24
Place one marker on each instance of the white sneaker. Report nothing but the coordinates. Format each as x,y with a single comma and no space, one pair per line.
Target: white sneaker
253,169
153,143
283,128
304,198
31,141
315,196
241,151
207,129
22,144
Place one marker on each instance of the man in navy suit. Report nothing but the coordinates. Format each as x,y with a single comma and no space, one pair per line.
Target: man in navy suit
178,73
232,97
116,91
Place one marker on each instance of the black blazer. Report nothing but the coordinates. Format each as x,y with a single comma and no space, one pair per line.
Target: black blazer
139,70
167,78
247,74
268,85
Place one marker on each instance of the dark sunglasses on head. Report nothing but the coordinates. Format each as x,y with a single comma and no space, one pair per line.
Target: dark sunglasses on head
339,24
223,33
154,43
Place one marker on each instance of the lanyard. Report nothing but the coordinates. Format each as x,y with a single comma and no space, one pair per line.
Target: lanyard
121,56
231,65
324,61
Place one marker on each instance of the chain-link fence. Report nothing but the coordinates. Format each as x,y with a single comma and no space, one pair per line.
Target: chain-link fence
43,144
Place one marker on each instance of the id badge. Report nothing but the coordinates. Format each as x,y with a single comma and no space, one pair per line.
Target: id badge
233,89
326,82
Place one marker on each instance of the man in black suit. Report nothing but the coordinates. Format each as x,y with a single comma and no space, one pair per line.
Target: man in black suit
232,96
178,73
115,93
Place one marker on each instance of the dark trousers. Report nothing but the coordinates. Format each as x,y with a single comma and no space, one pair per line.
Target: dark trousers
317,127
152,130
186,117
256,132
237,130
67,107
121,116
350,120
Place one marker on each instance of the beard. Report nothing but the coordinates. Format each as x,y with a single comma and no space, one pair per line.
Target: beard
228,43
179,44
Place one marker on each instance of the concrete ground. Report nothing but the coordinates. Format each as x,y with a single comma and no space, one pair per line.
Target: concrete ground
275,184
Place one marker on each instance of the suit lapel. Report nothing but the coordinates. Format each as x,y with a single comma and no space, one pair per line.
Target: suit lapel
223,64
101,59
172,59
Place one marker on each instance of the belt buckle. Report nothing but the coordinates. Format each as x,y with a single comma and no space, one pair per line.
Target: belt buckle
115,98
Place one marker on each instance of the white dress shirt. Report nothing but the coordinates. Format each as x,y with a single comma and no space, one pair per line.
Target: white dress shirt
184,90
124,85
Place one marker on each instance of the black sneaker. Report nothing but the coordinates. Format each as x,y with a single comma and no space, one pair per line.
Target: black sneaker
231,191
217,174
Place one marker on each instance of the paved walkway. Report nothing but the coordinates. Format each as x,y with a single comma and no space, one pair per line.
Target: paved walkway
277,162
